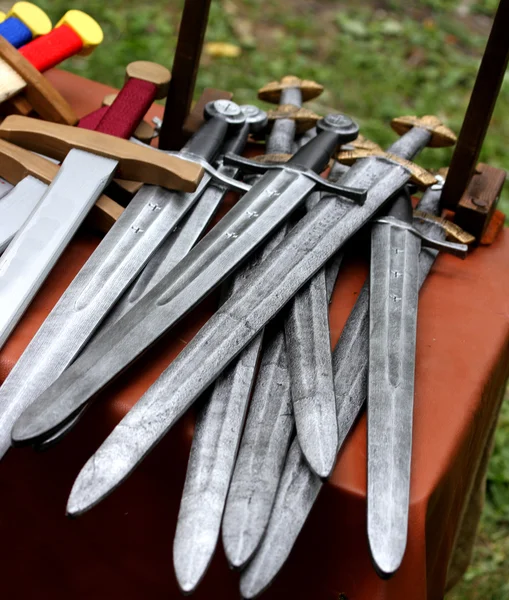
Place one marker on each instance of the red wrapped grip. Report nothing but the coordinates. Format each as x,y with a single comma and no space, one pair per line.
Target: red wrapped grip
49,50
128,108
92,120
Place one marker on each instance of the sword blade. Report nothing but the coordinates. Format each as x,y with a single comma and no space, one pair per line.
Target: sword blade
255,216
299,486
315,238
213,451
262,454
114,264
392,338
44,236
16,205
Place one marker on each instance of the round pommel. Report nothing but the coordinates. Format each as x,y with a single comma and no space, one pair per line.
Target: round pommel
151,72
87,28
303,117
226,110
272,91
441,135
341,124
32,16
255,117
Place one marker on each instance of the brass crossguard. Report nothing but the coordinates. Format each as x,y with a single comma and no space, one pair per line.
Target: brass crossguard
420,176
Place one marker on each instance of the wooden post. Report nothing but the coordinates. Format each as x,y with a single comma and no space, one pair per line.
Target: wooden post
185,68
482,102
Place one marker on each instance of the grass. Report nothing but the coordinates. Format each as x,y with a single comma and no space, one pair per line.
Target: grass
377,59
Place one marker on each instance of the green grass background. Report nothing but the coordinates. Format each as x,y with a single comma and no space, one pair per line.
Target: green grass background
377,60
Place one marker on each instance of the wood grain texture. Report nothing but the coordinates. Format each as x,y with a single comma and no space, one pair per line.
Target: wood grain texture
184,70
43,97
18,105
17,163
149,71
136,162
477,204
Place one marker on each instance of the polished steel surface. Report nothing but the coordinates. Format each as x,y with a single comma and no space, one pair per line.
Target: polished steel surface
299,486
315,239
45,234
16,205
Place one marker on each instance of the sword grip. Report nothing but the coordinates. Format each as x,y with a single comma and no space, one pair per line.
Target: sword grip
208,139
50,50
316,154
15,32
401,207
236,142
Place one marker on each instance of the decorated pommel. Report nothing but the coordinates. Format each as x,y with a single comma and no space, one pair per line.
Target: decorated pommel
226,110
441,135
303,117
342,125
255,117
145,70
273,90
85,27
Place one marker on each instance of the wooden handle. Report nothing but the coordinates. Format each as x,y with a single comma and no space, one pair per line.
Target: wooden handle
136,162
39,92
152,72
17,163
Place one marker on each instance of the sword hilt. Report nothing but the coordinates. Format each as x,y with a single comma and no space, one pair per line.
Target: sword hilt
256,121
75,33
334,130
23,22
289,119
206,142
145,82
313,157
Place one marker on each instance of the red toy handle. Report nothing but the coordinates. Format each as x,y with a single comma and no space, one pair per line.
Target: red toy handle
128,109
49,50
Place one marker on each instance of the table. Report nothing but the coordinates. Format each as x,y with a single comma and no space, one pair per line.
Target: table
123,547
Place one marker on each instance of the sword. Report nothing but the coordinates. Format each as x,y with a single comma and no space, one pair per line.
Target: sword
150,216
262,209
147,81
23,22
394,284
75,33
299,486
314,240
179,242
268,430
221,417
265,441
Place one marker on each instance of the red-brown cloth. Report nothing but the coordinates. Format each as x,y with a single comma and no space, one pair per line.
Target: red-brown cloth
122,549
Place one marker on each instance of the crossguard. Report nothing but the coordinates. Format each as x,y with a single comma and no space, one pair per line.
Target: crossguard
419,176
303,117
459,250
255,168
454,232
229,182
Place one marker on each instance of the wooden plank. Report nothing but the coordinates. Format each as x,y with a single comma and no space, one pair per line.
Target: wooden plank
477,205
477,118
184,71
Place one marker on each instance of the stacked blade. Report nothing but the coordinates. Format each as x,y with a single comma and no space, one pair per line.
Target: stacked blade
275,402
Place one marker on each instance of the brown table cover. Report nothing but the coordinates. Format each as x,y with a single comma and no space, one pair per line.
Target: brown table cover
122,549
